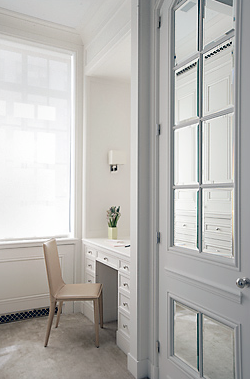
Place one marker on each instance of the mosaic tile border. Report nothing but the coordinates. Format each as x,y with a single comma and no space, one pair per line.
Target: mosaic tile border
24,315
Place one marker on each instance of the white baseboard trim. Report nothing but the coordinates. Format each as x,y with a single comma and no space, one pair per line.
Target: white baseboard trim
122,342
138,368
153,371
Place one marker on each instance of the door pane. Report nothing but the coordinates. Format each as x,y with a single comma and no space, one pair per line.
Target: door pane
185,218
218,19
186,102
185,155
186,28
217,231
218,350
218,66
185,334
217,165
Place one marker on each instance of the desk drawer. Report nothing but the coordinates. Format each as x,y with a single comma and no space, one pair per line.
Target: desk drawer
124,283
90,265
90,252
107,259
124,266
89,278
124,324
124,303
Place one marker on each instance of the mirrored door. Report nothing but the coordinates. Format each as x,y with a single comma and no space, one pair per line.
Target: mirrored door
202,313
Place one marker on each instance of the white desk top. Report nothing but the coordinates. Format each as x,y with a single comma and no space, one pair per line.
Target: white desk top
116,246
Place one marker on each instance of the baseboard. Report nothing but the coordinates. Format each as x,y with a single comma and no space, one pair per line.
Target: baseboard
122,342
153,371
138,368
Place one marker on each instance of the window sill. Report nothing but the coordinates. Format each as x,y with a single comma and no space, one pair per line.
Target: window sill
36,242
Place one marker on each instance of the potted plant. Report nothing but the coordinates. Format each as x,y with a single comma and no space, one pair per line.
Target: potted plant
113,215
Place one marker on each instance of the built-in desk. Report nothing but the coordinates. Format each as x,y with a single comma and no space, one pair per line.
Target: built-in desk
108,262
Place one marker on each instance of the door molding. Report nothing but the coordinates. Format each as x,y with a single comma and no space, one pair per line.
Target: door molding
234,296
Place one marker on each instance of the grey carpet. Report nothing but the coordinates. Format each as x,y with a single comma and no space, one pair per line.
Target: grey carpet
70,354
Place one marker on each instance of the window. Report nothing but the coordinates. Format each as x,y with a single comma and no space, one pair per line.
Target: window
203,126
36,143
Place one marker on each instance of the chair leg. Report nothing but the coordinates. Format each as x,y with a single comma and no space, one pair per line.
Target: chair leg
51,315
59,313
101,309
96,317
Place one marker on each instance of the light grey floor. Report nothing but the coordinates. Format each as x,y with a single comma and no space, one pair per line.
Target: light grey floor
70,354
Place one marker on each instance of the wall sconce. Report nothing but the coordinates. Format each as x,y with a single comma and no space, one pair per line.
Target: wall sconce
115,158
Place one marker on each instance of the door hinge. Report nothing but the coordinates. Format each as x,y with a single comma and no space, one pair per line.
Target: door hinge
158,237
159,22
157,346
158,129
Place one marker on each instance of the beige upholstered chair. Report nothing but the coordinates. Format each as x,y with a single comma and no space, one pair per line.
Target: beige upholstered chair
60,292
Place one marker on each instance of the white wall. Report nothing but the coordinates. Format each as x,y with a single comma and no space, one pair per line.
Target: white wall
107,127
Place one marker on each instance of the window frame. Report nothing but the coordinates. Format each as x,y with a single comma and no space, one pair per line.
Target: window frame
75,50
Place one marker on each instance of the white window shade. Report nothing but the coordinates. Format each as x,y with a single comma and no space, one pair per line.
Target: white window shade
36,93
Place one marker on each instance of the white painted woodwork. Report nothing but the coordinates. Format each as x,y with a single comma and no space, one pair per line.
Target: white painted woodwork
206,282
108,264
186,95
109,35
23,278
218,81
186,38
185,147
87,16
185,218
218,150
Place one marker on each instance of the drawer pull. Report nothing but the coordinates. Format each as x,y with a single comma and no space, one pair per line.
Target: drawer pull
184,225
105,259
125,326
89,252
125,284
125,267
89,265
217,228
125,304
89,281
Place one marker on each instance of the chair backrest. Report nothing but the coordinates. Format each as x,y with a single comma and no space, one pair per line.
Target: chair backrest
53,267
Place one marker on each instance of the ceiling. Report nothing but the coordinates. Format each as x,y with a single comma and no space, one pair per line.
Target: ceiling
87,17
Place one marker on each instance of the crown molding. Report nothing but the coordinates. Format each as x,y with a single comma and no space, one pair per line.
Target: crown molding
19,25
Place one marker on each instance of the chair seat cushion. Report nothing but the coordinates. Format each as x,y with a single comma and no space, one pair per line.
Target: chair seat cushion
83,291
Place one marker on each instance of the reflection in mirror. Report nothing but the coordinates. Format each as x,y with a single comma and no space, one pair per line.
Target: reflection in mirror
185,218
185,155
218,350
186,102
217,150
218,19
218,78
186,27
185,334
217,230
